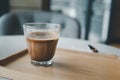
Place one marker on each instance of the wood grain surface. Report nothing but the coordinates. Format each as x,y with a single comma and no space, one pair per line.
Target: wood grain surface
68,65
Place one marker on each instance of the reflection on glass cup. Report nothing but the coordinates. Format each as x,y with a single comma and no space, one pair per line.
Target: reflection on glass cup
41,40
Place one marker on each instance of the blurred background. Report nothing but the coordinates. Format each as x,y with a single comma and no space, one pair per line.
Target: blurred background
99,19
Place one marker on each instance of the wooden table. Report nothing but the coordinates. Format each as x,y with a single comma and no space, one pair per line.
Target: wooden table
78,63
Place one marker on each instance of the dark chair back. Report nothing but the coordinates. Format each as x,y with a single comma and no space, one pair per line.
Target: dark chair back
11,23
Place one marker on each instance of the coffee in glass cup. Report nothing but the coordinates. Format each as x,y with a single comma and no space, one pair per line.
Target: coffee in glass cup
41,40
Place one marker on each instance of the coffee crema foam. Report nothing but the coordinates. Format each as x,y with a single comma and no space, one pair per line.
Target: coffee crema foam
42,35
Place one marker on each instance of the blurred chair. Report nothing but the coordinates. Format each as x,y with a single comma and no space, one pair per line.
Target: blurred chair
11,23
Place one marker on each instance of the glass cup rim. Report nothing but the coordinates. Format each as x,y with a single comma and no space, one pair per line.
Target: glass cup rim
29,25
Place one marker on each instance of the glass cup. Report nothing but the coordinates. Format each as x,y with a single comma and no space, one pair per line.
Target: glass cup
41,40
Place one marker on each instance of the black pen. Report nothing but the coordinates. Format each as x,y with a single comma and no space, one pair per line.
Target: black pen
93,49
